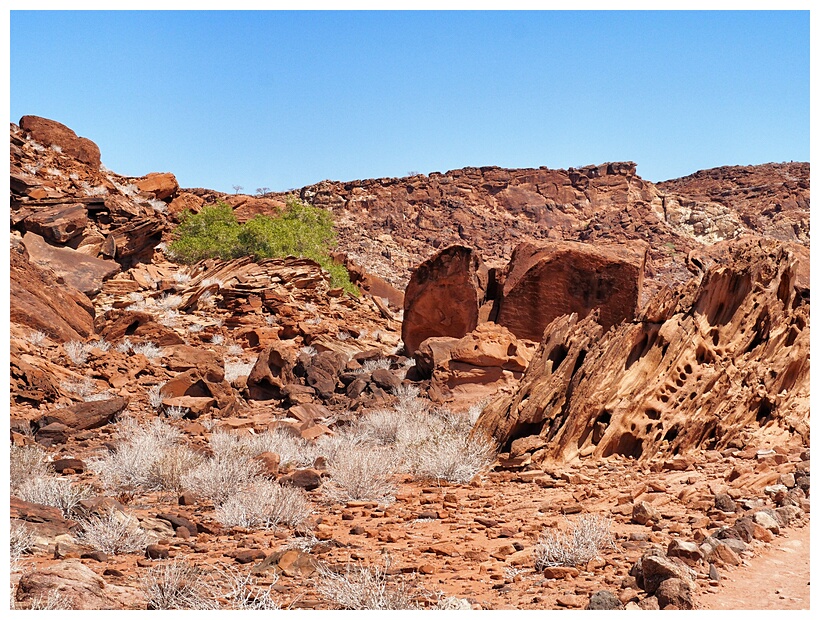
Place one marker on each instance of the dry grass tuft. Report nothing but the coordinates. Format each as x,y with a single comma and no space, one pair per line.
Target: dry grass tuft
587,536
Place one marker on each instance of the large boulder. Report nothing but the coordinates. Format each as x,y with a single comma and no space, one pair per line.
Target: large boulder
272,371
544,282
444,296
83,272
70,584
60,223
42,301
162,184
479,363
48,132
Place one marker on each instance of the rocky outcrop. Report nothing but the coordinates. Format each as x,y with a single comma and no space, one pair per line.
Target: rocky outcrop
40,301
83,272
163,185
770,199
557,278
444,296
484,360
52,133
722,358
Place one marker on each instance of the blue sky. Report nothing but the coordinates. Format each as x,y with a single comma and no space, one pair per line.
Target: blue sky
285,99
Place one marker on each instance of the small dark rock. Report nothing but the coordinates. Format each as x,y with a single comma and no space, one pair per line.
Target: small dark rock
157,552
603,599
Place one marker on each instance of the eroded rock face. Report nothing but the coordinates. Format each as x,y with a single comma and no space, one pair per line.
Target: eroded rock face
48,132
487,358
40,302
83,272
444,296
556,278
721,358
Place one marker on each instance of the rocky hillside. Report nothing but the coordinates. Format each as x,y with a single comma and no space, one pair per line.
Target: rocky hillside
240,435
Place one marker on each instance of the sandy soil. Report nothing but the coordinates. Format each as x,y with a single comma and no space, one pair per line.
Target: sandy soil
777,578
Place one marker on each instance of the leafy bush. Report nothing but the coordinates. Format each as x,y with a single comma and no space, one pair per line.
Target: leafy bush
300,230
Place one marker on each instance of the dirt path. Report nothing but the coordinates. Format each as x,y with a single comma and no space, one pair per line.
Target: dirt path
778,578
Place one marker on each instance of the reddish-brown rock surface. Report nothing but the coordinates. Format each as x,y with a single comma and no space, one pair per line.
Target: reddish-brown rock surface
718,361
444,296
696,404
557,278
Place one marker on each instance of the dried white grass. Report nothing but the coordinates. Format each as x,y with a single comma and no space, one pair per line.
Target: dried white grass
586,537
361,473
220,476
241,590
195,328
155,395
169,302
36,338
113,532
158,205
83,388
50,490
149,458
26,463
21,541
291,448
235,370
264,504
453,457
53,601
76,351
362,588
177,585
369,366
308,350
176,413
235,350
125,345
217,339
102,345
148,349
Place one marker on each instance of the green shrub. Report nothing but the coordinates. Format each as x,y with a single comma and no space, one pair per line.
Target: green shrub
300,230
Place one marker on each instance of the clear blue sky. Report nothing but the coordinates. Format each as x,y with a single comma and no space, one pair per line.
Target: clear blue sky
285,99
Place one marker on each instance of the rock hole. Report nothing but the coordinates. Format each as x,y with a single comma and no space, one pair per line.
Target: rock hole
671,434
557,356
578,362
627,445
129,331
715,337
791,336
687,369
653,414
664,398
704,355
761,329
764,412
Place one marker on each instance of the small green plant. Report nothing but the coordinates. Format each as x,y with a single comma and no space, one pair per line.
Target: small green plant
300,230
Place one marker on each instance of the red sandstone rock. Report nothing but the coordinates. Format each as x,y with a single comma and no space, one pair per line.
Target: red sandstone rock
85,273
60,223
162,184
671,380
550,280
39,301
444,296
48,132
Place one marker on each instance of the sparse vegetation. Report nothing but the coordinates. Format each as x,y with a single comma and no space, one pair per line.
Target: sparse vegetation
77,352
113,532
264,504
586,537
177,585
50,490
300,230
362,588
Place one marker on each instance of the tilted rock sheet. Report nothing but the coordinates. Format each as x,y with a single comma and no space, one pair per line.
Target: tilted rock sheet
724,357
